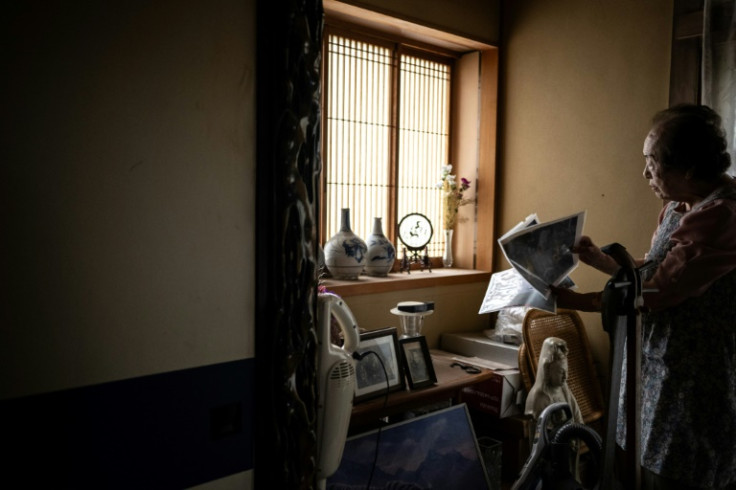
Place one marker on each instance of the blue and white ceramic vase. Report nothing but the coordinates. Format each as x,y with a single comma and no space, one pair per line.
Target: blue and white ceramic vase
345,253
381,252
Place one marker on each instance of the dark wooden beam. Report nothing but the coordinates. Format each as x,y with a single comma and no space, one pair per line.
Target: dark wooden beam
289,37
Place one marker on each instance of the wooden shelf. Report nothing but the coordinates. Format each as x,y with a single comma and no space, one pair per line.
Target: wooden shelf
404,281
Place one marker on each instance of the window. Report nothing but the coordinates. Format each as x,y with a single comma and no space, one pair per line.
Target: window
386,133
459,76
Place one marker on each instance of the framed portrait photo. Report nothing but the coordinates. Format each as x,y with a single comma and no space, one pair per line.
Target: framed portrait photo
371,379
417,362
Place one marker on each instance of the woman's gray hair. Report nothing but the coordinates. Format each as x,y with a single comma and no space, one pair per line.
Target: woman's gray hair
691,138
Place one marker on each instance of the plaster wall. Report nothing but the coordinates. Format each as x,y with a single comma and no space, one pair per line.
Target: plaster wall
580,82
128,216
128,157
128,172
456,309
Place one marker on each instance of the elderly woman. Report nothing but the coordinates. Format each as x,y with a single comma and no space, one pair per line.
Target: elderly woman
688,384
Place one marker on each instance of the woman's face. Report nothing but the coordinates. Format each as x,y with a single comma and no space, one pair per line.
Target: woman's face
667,184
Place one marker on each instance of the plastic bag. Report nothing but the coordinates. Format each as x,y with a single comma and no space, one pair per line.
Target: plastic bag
508,325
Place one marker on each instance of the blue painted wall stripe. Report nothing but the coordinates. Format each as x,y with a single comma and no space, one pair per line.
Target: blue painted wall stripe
170,430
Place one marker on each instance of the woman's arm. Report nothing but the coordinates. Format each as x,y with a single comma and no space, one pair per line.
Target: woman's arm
577,301
589,253
703,250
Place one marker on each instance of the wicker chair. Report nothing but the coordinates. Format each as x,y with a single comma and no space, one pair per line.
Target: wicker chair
525,368
582,377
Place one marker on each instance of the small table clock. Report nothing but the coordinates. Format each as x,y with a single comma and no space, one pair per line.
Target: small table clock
415,232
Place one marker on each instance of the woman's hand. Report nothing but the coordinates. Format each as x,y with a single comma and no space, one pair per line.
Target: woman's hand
576,301
590,254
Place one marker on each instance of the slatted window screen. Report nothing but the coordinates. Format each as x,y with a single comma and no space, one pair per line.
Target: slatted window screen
423,141
377,161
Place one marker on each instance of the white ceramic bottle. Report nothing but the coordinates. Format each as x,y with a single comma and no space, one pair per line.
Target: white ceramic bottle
381,252
345,252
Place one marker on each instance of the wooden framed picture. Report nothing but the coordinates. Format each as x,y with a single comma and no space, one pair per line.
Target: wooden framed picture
374,376
417,362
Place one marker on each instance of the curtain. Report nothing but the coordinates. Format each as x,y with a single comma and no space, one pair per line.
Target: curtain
718,76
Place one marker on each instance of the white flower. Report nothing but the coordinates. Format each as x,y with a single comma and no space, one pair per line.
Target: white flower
452,196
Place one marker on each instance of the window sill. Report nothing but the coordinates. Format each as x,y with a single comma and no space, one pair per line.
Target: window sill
403,281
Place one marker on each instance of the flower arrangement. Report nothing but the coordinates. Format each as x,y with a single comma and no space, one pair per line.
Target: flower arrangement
452,196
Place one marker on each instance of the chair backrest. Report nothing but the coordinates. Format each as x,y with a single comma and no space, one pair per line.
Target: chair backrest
525,368
582,377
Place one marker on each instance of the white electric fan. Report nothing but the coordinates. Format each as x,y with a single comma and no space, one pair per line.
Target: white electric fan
336,383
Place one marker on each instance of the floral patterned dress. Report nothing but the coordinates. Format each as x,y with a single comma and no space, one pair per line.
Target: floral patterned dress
688,379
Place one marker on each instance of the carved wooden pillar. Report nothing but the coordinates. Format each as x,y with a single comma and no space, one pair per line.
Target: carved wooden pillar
288,133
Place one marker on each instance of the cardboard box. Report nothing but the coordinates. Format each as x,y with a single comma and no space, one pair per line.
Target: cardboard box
477,344
500,396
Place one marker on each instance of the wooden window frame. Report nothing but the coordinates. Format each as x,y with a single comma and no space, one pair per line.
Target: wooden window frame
473,253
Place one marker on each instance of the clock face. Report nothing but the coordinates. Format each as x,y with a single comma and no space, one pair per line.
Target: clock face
415,231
